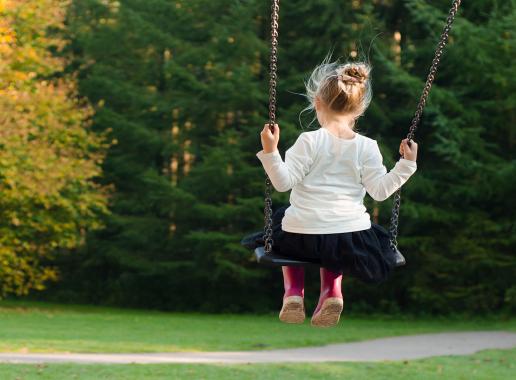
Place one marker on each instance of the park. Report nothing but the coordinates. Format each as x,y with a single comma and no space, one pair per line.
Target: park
216,189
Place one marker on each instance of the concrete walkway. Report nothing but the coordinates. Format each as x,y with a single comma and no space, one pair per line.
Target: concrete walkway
399,348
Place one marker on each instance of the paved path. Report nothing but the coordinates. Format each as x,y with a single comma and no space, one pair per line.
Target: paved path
399,348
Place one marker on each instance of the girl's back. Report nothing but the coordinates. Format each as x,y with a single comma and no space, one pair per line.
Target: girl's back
329,177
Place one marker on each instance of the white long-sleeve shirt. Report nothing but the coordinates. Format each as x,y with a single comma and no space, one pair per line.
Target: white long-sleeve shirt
329,177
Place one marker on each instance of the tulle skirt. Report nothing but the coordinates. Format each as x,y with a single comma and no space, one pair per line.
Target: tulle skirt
365,254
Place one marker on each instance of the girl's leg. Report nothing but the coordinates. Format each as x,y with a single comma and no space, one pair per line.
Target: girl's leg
330,305
293,310
294,281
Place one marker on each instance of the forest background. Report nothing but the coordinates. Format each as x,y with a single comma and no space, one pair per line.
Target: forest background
128,134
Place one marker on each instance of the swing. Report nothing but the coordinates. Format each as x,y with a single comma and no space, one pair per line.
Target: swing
264,254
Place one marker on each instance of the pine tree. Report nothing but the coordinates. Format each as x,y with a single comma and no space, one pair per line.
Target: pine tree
179,89
463,200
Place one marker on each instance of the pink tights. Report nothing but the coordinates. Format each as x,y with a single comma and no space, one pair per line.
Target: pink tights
294,282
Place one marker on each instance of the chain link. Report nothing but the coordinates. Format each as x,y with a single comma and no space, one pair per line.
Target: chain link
267,233
393,229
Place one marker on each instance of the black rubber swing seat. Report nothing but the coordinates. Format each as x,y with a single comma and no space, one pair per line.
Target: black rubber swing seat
275,260
255,242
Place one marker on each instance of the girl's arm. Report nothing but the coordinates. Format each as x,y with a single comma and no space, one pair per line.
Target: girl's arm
378,183
298,159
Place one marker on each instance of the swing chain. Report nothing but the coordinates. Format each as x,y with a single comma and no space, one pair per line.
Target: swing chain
273,62
267,237
393,229
268,216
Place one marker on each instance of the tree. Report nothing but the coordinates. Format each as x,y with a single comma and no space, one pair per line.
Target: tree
48,157
170,77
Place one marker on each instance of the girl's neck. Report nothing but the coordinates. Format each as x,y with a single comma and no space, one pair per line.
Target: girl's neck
340,126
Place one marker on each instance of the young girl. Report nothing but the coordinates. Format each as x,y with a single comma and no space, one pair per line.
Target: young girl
329,171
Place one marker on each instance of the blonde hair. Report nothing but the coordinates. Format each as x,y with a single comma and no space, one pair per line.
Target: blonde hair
342,88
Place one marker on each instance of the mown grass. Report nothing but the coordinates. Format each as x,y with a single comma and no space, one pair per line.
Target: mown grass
486,365
41,327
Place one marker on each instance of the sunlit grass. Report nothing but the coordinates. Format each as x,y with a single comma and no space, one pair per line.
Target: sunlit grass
40,327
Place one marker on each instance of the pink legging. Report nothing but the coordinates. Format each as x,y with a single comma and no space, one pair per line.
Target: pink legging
294,282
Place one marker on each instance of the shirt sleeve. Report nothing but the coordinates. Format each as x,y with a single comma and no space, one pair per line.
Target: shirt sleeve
298,159
378,183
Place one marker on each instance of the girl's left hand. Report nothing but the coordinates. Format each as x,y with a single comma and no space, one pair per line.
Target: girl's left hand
408,152
270,139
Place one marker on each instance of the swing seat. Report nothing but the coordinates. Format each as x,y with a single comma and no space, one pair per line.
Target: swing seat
275,260
255,242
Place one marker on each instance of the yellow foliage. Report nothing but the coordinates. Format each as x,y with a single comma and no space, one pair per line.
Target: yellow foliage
48,155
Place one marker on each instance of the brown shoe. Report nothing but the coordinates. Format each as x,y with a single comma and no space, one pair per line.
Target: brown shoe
293,310
329,313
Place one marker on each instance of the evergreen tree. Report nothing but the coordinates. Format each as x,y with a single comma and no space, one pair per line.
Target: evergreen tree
168,78
461,230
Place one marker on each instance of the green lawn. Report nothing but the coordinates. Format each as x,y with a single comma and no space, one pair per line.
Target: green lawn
486,365
39,327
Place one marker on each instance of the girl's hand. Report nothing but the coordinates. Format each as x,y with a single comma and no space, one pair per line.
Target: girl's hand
408,152
270,139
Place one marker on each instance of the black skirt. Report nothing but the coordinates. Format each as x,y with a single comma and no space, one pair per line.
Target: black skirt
365,254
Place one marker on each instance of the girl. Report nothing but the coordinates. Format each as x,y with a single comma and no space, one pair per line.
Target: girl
329,171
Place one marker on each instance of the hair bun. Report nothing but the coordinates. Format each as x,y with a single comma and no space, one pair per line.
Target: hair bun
341,88
353,73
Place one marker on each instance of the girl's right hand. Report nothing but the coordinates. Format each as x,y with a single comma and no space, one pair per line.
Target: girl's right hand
270,139
408,152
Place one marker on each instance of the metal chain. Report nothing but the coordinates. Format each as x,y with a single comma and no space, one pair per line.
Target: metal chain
267,237
393,229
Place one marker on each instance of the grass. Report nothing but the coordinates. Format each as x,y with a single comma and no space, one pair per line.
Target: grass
485,365
41,327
